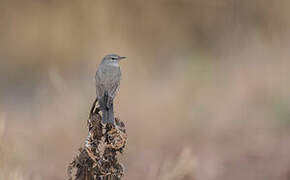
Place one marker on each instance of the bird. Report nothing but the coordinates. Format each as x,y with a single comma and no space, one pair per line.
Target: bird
107,79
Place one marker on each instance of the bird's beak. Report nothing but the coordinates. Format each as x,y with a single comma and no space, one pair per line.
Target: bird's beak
122,57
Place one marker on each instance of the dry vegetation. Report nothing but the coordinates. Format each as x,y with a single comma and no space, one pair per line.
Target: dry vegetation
204,94
98,159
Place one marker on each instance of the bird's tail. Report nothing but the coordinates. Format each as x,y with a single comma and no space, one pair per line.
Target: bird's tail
107,112
105,116
108,115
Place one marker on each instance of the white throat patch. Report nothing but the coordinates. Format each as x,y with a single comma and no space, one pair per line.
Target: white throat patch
115,64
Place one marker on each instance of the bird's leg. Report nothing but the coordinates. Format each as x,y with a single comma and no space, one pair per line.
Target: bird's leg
93,108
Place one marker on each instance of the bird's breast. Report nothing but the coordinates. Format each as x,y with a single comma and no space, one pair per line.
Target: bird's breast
107,79
110,74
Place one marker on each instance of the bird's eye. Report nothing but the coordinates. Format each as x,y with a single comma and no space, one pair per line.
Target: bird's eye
114,58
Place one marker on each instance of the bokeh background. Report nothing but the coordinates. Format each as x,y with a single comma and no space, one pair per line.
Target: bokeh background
205,92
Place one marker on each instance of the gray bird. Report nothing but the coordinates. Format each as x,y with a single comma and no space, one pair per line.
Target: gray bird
108,78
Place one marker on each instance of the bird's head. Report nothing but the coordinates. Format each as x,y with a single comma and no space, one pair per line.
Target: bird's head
112,58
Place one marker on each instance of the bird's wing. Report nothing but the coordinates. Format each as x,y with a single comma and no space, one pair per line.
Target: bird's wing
114,89
99,84
115,85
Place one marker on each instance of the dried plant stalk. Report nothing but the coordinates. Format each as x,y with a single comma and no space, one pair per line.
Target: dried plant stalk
97,160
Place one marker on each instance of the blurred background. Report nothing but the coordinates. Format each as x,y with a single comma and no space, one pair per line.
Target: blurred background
204,92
